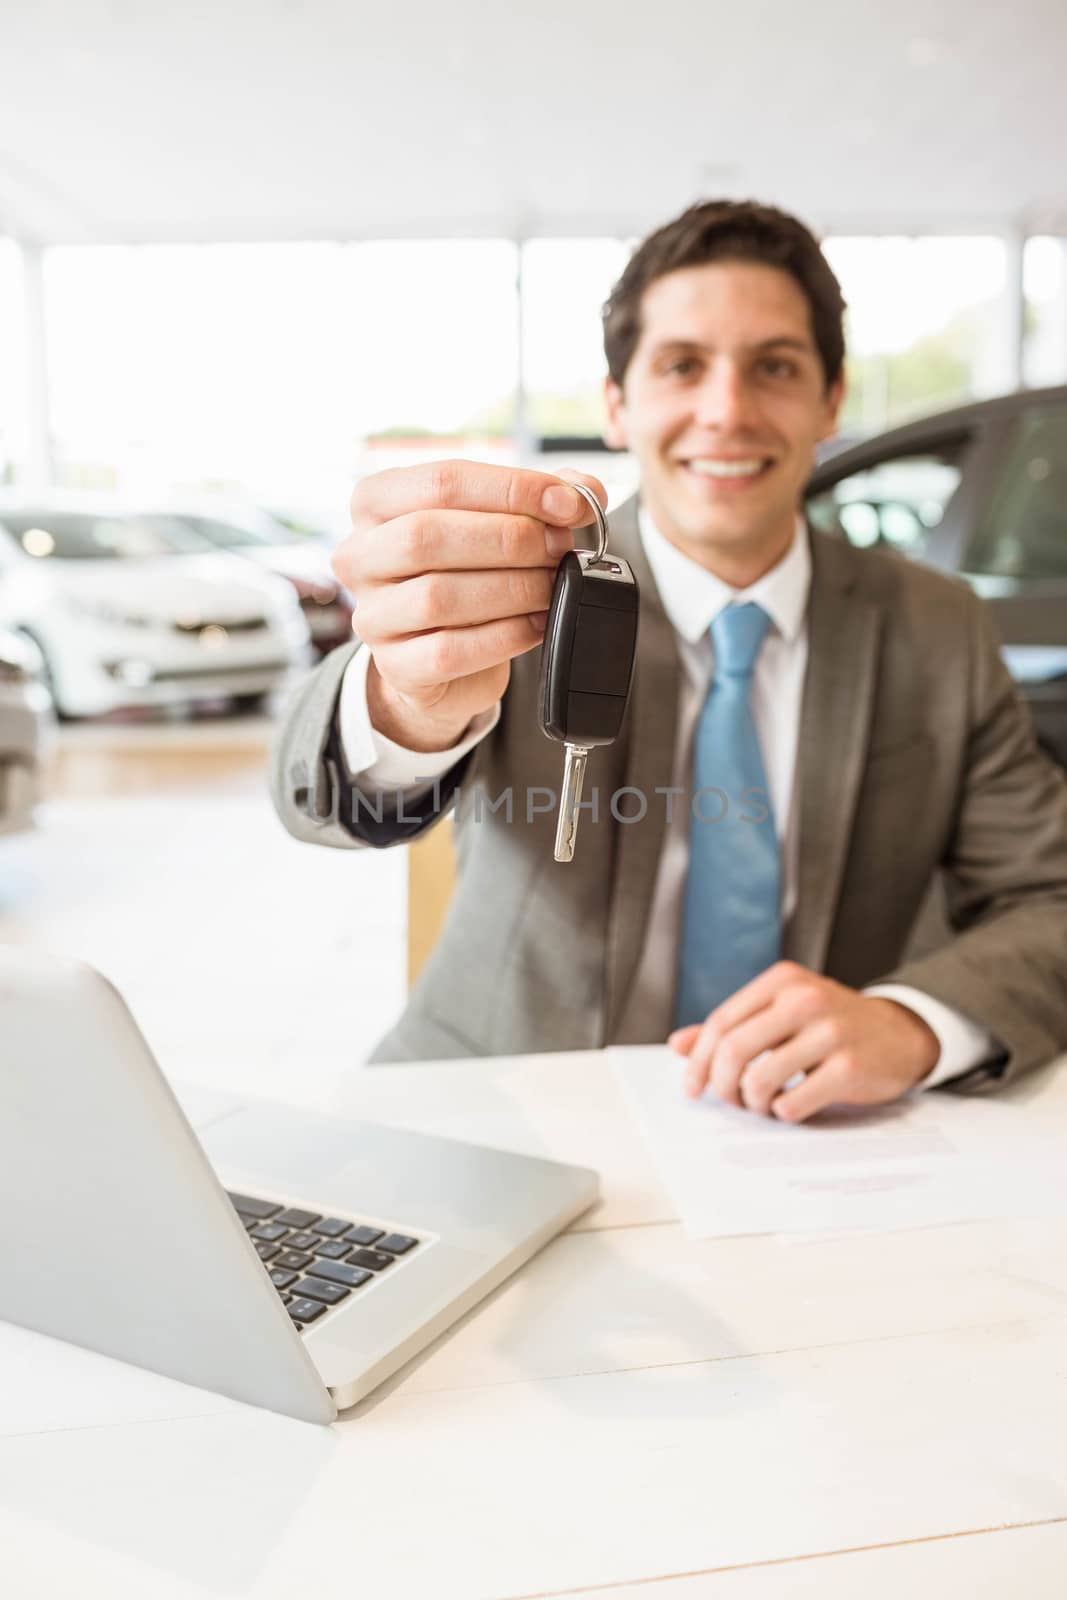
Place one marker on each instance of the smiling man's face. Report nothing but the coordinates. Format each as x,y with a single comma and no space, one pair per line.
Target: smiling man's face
723,404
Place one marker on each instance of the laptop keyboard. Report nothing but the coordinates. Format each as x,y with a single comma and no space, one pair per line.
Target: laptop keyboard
317,1262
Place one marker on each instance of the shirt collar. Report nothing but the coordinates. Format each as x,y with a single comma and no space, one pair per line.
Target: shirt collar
693,597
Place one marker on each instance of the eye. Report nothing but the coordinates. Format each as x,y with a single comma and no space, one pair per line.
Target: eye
778,367
683,367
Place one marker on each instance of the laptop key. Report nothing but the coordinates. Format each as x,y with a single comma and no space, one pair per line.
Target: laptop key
397,1243
319,1289
265,1251
303,1241
341,1272
293,1217
269,1231
296,1259
333,1249
248,1207
332,1226
376,1260
304,1310
363,1235
282,1280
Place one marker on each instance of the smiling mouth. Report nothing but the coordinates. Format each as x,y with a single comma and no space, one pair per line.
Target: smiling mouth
734,471
728,467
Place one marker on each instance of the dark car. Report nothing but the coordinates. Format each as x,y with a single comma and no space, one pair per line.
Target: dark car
980,491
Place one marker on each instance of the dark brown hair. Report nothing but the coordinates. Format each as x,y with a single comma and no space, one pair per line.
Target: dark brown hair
727,230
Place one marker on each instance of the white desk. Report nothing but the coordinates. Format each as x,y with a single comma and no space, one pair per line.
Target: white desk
737,1419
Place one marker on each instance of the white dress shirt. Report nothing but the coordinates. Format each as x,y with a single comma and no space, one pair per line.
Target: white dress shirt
692,597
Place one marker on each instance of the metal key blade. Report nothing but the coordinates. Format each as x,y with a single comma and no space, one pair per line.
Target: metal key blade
574,760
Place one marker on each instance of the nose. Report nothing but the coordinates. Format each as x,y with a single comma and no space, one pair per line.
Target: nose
725,401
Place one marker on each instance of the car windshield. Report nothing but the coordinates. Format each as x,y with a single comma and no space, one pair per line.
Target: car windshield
298,529
225,535
896,502
89,535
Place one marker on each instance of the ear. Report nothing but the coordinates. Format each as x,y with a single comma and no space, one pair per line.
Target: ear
615,430
835,398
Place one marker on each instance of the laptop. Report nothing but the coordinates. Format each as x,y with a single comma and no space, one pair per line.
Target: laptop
287,1259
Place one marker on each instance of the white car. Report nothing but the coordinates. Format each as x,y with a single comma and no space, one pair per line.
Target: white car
130,610
25,731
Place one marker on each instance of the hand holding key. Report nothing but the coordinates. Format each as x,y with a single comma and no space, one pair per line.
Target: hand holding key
451,565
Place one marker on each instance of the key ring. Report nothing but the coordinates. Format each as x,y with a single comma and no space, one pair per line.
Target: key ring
599,518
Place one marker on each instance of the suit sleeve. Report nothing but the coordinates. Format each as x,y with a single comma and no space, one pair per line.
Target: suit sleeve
317,797
1005,871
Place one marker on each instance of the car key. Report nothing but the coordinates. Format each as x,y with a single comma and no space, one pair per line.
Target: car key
587,663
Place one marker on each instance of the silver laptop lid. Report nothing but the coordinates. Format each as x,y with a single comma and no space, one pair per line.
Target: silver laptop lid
115,1233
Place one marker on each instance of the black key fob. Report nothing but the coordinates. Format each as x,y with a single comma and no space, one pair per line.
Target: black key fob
590,643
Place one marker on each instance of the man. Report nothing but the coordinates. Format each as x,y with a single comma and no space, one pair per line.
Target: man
813,733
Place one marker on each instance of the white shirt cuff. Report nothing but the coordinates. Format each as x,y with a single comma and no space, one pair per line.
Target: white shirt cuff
964,1044
379,763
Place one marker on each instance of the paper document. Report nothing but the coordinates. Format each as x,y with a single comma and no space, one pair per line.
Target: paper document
926,1159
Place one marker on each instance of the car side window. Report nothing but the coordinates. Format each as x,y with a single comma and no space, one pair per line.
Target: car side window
1022,532
896,502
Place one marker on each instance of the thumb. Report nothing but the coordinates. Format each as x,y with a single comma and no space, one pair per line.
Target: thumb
571,475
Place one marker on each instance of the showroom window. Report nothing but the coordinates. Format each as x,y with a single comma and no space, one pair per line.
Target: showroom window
428,333
898,502
924,324
565,283
1024,531
281,370
1045,325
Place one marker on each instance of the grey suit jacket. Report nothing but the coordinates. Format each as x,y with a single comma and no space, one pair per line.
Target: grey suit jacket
915,756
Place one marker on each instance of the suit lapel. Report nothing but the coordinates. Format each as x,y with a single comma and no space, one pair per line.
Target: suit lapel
844,634
649,763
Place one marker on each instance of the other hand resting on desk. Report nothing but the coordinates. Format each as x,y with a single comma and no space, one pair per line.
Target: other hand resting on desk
854,1049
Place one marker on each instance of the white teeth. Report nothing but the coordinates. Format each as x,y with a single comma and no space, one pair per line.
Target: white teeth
708,467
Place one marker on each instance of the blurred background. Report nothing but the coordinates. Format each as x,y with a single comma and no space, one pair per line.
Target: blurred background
249,253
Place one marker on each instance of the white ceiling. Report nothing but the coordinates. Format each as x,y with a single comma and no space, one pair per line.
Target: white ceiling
132,120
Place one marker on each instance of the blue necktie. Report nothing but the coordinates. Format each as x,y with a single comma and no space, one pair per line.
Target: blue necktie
730,923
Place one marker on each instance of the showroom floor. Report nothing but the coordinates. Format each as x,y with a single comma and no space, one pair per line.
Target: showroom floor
158,858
